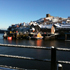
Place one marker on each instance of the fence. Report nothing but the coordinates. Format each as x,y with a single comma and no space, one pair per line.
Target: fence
53,55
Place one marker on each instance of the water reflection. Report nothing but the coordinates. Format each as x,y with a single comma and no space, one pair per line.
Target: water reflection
7,41
10,41
39,42
4,41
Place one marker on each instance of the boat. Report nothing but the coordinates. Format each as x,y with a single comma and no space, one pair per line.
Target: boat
5,35
37,36
9,38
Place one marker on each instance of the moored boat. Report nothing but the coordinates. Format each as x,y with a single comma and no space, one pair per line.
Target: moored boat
5,35
37,36
9,38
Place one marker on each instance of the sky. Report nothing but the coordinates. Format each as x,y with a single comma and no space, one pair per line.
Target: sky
19,11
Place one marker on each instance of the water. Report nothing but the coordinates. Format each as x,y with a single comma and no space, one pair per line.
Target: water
35,53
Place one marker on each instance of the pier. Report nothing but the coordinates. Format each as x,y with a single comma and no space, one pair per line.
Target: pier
55,64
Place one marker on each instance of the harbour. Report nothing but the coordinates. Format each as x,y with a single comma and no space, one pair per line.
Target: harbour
34,35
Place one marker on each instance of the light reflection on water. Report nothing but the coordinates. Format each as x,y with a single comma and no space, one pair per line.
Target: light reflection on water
39,42
35,53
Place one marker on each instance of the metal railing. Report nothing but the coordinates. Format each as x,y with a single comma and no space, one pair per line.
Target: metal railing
53,55
5,67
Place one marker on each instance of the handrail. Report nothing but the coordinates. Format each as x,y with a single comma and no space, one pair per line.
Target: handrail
25,46
64,62
63,49
30,58
5,67
34,47
22,57
53,54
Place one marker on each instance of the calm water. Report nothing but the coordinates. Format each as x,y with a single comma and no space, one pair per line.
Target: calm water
35,53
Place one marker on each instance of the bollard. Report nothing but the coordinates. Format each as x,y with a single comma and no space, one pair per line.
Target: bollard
59,67
53,58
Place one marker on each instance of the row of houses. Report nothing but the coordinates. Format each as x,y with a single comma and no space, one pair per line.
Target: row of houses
41,25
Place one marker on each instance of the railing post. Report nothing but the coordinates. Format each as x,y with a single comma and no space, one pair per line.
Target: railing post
59,67
65,36
53,58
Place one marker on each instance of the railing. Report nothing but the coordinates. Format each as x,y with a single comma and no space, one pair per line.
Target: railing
5,67
53,55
